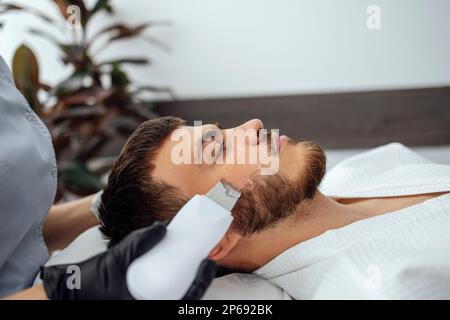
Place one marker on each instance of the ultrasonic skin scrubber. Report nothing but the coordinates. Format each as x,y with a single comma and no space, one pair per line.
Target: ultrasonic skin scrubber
191,235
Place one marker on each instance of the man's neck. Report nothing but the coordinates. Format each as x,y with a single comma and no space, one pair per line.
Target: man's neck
319,215
312,219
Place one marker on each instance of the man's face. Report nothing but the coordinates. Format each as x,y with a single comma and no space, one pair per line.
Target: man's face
265,198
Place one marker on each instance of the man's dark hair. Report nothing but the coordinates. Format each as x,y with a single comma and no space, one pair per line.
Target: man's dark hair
133,198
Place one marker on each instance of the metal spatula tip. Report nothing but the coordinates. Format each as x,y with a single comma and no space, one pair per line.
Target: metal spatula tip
224,194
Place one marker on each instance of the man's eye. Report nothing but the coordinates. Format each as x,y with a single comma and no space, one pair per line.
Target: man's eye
214,140
219,150
216,148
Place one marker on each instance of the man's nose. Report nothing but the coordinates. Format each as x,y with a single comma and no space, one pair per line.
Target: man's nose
255,124
252,128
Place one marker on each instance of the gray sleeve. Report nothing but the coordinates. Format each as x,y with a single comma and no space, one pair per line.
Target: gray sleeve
27,186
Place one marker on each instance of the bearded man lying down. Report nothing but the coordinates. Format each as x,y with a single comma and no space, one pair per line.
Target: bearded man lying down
377,225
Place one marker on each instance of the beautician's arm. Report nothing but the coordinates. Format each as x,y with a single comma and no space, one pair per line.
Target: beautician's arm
104,276
67,221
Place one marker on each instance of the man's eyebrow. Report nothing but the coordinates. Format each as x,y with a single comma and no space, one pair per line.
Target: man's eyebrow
209,127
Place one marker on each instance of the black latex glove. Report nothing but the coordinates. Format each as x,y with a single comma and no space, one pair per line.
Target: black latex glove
104,275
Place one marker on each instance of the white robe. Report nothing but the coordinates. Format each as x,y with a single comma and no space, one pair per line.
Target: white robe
404,254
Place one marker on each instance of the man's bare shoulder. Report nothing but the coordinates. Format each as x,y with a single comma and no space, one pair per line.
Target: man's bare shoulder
242,286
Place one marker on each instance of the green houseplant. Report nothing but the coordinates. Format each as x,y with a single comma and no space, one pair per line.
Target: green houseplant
91,112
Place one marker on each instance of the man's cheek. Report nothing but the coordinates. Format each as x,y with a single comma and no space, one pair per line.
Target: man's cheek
290,163
269,160
240,176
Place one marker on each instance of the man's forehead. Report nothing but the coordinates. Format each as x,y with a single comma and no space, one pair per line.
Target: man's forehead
165,151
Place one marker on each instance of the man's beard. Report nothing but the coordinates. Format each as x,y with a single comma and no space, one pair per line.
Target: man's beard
274,198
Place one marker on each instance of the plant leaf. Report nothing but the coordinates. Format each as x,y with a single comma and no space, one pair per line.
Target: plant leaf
45,35
118,77
126,32
155,89
100,5
26,75
80,180
73,83
7,7
88,96
122,30
76,55
78,113
90,148
157,43
125,60
45,87
63,5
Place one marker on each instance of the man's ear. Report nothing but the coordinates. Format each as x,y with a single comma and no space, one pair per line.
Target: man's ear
229,240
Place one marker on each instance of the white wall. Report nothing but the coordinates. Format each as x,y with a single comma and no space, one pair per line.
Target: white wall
226,48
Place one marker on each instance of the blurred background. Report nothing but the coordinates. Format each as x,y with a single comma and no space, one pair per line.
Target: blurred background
313,69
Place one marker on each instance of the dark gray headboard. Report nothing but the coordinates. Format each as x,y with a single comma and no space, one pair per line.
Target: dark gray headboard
338,120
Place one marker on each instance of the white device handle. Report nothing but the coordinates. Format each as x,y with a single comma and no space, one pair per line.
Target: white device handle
168,270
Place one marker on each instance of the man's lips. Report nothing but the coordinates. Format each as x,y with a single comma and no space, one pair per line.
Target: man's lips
282,141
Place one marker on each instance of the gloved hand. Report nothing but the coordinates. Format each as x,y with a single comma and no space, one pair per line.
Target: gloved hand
104,275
